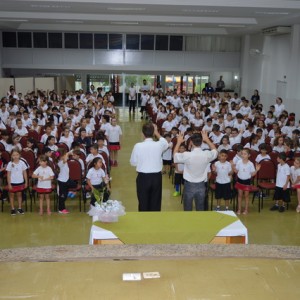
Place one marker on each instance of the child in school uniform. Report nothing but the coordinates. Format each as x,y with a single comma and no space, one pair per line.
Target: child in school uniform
295,179
245,171
17,180
263,155
167,155
96,178
114,134
45,175
178,178
282,189
224,172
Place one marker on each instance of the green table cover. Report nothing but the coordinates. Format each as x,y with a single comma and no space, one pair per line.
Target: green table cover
168,227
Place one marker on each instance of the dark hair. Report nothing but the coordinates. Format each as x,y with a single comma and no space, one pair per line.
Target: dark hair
94,162
148,130
216,127
223,151
94,146
196,139
43,157
239,148
49,138
76,152
262,146
282,156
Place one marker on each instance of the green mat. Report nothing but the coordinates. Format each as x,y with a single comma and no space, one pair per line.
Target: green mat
168,227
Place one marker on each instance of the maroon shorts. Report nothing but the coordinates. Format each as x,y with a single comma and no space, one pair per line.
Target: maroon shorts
114,146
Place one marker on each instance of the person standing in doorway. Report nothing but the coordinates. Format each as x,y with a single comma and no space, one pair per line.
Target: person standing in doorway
132,98
220,86
195,169
146,156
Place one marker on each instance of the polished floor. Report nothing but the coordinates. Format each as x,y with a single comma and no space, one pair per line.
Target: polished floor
33,230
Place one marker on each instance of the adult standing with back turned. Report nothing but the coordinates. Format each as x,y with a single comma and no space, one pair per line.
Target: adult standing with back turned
147,158
195,169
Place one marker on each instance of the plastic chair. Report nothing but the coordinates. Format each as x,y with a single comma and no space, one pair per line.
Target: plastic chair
63,146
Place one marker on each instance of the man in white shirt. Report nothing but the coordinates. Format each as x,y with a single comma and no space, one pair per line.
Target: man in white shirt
132,98
195,165
147,158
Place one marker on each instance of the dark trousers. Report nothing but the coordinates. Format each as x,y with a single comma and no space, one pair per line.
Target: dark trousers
149,191
63,192
132,105
194,191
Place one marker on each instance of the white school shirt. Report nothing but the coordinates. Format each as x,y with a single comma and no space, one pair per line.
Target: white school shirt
147,155
95,176
64,171
222,170
68,141
167,125
113,133
90,157
235,139
144,99
132,93
46,173
253,147
244,170
223,147
167,154
21,132
282,172
16,171
295,173
216,139
259,158
278,148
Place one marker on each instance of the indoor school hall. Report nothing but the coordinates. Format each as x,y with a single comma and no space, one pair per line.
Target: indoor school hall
193,60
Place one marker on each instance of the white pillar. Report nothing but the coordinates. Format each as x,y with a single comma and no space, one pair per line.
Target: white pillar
244,65
124,87
292,102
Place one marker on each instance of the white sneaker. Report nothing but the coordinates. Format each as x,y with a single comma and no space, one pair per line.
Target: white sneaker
88,195
298,209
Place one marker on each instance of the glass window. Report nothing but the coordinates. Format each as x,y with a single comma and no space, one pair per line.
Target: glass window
115,41
100,41
162,42
133,41
86,40
9,39
71,40
147,42
24,40
55,40
40,39
176,43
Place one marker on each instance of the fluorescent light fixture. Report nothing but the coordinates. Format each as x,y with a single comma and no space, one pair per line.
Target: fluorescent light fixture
205,11
272,12
49,6
70,22
124,23
179,24
126,8
232,25
13,20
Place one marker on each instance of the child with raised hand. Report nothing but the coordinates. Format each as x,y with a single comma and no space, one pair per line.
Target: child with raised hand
178,179
44,174
245,171
17,180
96,178
224,172
63,180
295,179
282,189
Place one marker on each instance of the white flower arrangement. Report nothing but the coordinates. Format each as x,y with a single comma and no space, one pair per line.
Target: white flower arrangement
108,211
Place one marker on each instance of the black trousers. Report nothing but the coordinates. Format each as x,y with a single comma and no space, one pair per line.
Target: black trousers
132,105
149,191
63,192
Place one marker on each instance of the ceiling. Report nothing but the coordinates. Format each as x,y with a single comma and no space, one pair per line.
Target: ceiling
219,17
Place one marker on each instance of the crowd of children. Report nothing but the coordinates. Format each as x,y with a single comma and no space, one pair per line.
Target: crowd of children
83,126
48,130
233,125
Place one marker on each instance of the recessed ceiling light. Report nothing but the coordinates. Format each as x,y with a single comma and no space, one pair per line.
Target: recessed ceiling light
232,25
272,13
179,24
126,8
124,23
12,20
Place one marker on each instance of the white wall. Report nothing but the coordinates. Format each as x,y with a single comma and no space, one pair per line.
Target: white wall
5,83
267,70
171,61
24,85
